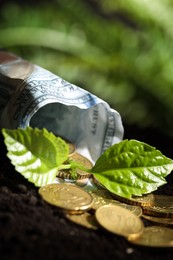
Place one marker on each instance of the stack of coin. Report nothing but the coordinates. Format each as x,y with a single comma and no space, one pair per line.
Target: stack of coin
83,161
98,209
80,174
103,197
155,208
73,155
145,200
160,211
79,177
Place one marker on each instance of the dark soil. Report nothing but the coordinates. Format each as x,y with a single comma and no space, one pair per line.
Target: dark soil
32,229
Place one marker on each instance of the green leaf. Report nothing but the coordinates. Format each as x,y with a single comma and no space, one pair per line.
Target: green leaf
132,168
35,153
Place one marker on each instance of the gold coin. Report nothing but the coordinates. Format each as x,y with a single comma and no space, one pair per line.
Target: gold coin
71,146
67,196
159,220
162,206
86,219
137,210
119,221
97,183
82,182
102,197
144,200
155,236
82,160
65,174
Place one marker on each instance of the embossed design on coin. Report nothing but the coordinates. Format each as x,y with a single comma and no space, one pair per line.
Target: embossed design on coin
162,206
101,197
155,236
119,221
144,200
67,196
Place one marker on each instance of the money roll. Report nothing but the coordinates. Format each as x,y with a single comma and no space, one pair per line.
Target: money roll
33,96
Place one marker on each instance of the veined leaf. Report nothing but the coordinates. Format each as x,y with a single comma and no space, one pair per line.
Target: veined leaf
132,168
35,153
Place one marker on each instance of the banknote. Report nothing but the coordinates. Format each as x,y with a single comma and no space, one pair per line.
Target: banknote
33,96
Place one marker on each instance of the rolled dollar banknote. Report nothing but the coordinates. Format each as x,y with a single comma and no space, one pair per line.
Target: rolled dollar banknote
33,96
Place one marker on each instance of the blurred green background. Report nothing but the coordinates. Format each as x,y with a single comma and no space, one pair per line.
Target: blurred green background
120,50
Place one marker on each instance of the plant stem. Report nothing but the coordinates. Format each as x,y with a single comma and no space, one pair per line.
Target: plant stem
64,166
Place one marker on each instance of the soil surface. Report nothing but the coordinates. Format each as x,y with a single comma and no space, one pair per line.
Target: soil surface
30,228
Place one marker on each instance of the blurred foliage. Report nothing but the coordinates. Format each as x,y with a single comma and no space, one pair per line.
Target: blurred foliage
121,50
